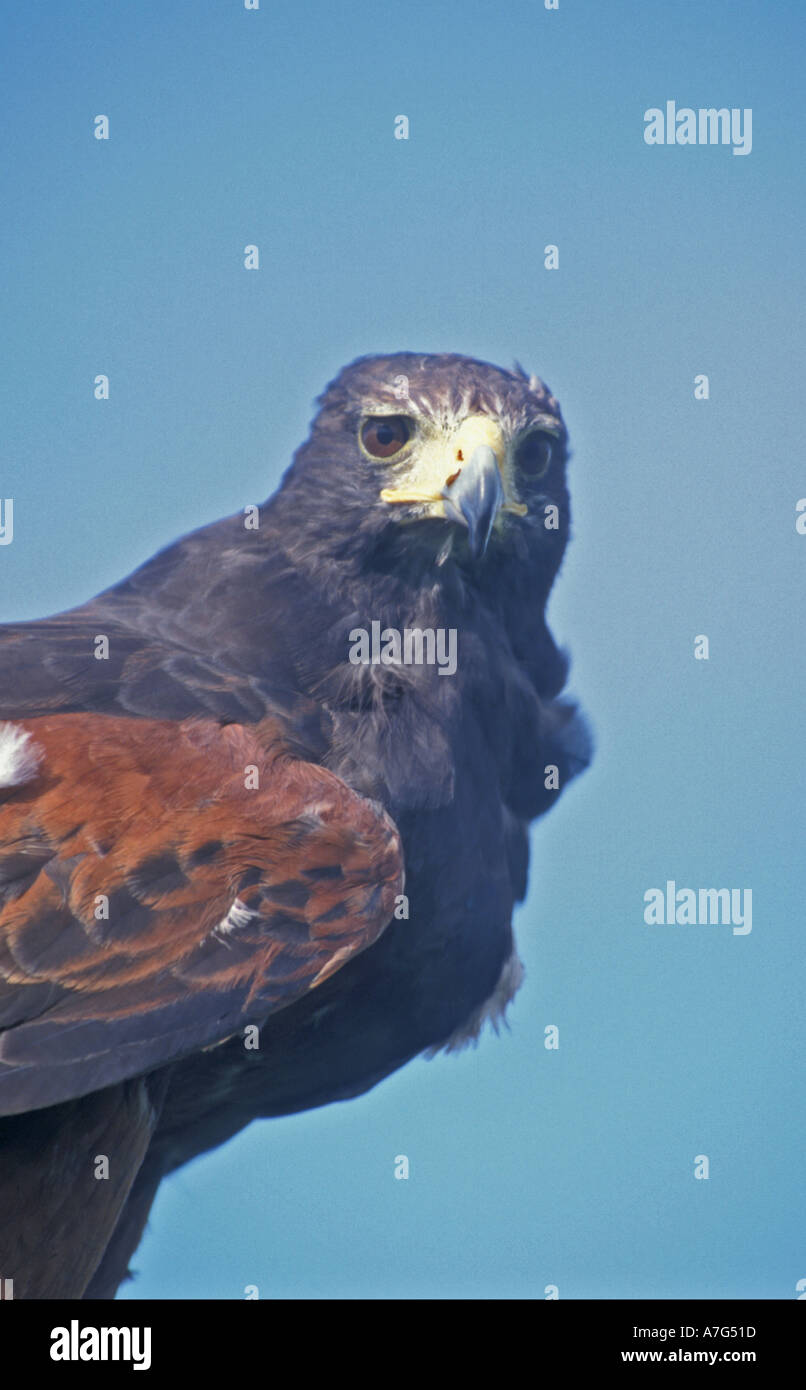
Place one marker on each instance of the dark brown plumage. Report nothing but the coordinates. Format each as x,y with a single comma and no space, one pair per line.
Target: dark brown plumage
431,495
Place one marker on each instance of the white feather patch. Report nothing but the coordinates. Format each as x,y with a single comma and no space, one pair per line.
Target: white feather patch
493,1010
19,756
239,915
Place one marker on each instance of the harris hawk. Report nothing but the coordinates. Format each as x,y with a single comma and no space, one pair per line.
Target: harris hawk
260,844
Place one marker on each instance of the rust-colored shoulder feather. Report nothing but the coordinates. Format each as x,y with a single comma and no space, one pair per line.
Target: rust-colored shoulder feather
161,886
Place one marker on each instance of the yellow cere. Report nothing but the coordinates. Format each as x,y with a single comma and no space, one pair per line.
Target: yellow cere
438,459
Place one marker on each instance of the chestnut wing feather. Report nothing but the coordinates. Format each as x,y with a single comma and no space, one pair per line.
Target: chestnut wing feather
162,885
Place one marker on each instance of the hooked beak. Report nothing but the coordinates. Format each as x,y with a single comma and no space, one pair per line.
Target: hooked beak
475,498
463,482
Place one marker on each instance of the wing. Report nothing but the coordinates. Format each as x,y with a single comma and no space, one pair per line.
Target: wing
207,627
60,664
164,884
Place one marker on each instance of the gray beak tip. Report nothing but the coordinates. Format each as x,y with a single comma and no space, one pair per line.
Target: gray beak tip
474,498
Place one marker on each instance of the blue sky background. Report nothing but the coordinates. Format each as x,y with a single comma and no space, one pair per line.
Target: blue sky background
275,127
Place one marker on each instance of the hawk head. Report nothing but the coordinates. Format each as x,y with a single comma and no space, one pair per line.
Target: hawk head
440,456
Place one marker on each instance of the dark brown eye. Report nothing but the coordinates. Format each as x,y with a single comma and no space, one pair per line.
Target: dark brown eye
534,453
383,435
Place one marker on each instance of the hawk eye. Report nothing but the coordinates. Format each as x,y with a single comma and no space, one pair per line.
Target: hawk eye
534,453
384,435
